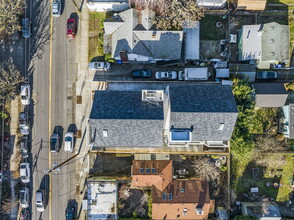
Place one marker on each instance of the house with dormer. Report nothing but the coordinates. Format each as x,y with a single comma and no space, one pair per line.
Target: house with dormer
177,118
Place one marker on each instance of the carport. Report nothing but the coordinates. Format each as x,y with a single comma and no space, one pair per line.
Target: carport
192,43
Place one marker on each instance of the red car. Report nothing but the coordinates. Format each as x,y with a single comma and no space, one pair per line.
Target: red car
71,28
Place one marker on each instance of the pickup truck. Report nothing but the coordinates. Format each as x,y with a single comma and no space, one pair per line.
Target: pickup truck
194,74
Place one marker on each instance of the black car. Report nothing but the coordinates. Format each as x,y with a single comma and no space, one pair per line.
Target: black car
24,146
141,73
267,75
70,213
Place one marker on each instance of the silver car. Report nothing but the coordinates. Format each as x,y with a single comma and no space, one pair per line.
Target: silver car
26,28
102,66
56,8
166,75
24,126
25,174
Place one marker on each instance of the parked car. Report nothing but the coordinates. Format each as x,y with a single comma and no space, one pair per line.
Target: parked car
40,200
24,214
102,66
56,8
24,197
71,28
25,174
267,75
24,146
141,73
1,179
68,142
70,212
26,28
166,75
24,126
54,143
25,94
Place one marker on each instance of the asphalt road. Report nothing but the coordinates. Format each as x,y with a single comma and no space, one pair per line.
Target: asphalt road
53,71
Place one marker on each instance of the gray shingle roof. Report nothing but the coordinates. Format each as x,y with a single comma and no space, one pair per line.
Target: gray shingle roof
130,122
137,37
209,106
270,94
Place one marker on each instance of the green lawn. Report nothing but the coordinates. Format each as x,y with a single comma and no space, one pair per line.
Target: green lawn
208,29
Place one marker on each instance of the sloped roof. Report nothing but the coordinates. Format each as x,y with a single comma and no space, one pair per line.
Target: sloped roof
160,179
275,42
215,3
270,94
180,195
251,5
137,35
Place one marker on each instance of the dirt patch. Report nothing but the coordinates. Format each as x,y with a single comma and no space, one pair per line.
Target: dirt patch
132,202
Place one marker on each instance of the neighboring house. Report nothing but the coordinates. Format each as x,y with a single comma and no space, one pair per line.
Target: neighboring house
131,36
146,173
192,42
265,44
195,117
107,5
211,3
288,111
270,94
181,199
102,200
268,212
251,5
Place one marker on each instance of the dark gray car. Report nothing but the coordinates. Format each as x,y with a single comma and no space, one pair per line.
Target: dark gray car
267,75
26,28
24,146
54,143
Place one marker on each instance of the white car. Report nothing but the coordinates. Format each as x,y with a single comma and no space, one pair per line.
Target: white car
56,8
68,142
25,94
24,197
102,66
25,172
40,200
166,75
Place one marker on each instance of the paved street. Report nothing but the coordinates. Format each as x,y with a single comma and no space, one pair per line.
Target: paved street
53,73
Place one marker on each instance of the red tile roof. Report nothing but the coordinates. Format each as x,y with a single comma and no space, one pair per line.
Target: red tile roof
147,173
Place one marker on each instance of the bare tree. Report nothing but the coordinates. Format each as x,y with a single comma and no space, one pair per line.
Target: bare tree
268,144
10,10
178,14
205,169
6,206
10,79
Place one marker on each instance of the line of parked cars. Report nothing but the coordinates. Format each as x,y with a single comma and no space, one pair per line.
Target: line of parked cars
68,142
160,75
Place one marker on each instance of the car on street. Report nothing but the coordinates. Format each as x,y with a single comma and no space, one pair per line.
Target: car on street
70,212
25,94
24,146
26,27
141,73
56,8
71,28
25,174
102,66
54,143
40,200
267,75
166,75
24,126
68,142
1,179
24,197
24,214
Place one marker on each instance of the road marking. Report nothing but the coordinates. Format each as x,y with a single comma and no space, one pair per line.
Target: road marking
49,113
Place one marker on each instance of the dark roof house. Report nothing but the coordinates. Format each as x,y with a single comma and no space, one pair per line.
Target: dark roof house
179,115
265,43
133,33
270,94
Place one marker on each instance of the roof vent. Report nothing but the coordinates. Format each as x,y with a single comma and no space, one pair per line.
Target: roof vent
105,133
272,40
182,190
272,27
272,53
152,95
221,126
199,211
